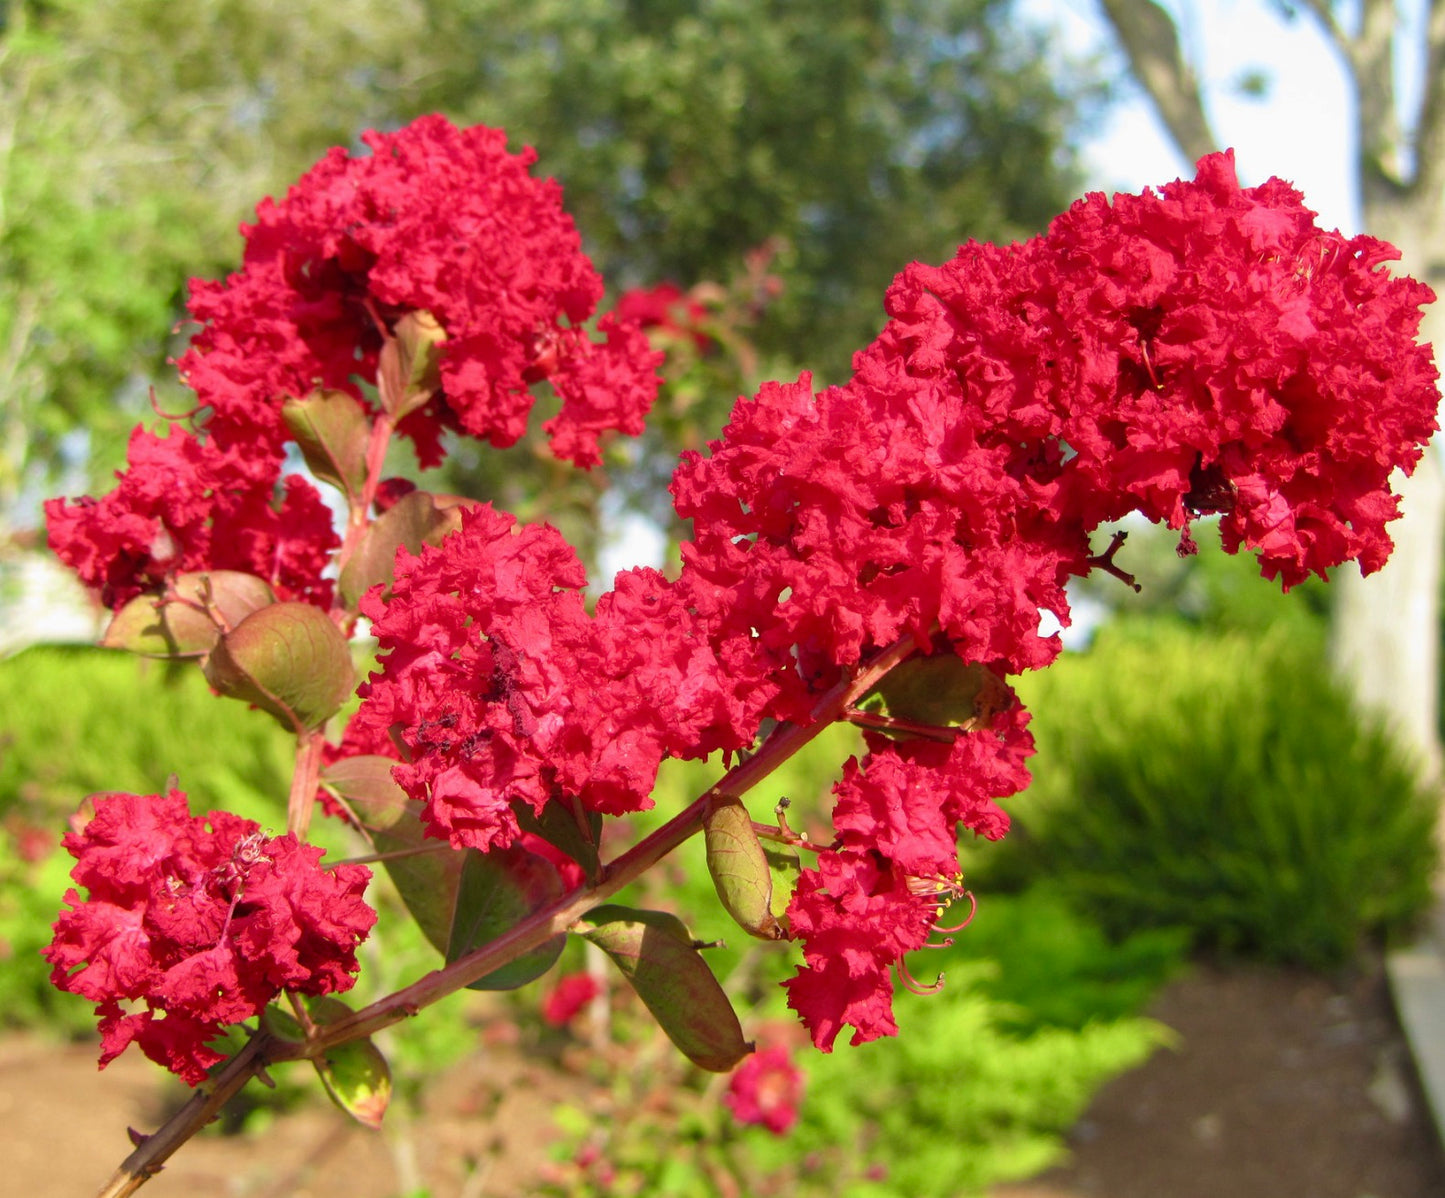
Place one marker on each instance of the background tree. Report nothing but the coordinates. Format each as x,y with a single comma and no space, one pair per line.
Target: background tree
1385,629
134,137
686,132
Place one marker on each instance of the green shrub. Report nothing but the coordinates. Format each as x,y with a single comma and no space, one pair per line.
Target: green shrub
957,1103
1222,784
1038,1010
76,720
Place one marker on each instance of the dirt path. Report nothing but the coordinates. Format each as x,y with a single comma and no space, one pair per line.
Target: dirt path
1281,1086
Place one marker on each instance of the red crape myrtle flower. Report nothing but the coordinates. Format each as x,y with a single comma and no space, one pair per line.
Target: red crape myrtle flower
504,691
436,219
1205,349
668,309
569,997
196,922
433,219
766,1090
187,504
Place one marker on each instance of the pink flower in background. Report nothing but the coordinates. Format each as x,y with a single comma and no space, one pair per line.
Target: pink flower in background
766,1090
569,997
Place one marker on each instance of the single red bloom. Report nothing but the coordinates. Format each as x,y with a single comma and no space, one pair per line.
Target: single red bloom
569,997
766,1090
193,923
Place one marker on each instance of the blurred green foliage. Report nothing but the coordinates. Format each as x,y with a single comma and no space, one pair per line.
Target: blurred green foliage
1224,784
137,135
863,133
75,720
1210,590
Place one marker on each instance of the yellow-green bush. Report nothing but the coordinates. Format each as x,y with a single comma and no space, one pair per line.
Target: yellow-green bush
1224,784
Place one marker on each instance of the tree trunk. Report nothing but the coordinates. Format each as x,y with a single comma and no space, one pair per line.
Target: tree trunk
1385,635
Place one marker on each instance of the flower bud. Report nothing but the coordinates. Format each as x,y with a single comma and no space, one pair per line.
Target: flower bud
739,867
187,619
288,659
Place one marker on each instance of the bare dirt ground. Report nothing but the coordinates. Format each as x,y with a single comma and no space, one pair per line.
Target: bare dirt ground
1281,1085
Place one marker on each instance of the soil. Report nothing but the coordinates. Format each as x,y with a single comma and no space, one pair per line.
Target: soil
1279,1085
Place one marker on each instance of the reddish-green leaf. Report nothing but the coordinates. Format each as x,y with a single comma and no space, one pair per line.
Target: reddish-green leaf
409,371
288,659
355,1073
413,521
660,960
333,431
427,881
498,890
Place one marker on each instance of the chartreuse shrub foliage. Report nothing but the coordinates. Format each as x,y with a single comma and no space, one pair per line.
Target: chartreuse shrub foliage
74,720
1222,784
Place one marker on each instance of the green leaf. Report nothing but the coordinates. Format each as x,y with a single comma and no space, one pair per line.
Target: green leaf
427,882
939,690
288,659
418,519
358,1079
355,1073
660,959
785,867
497,890
333,431
559,826
739,867
409,370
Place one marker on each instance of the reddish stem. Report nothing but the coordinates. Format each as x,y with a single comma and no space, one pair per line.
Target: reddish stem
359,514
303,782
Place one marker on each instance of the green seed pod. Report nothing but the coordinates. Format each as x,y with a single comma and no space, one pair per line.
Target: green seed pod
739,867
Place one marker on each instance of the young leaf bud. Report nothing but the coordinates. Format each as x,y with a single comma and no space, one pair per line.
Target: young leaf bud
288,659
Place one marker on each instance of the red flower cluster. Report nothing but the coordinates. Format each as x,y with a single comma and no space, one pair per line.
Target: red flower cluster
506,691
434,219
187,504
204,920
766,1090
1201,350
877,892
668,309
1206,349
